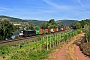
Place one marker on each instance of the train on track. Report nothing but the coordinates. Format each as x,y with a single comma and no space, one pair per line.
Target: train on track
27,33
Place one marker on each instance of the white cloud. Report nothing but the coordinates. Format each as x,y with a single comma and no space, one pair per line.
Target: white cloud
79,1
3,8
56,5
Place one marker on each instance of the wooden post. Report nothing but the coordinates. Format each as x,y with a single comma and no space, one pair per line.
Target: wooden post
47,42
56,39
53,41
50,40
59,38
43,44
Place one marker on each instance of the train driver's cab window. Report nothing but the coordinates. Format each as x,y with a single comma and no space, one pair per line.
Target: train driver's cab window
21,31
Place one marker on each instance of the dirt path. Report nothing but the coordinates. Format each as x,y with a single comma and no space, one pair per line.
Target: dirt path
60,54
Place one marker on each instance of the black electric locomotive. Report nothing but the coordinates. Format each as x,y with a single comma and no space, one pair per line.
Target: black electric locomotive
27,33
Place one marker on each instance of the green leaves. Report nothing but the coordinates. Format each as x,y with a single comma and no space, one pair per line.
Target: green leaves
6,30
76,25
80,24
88,35
50,24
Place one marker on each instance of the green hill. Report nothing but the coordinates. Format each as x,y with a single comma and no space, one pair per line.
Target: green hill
21,21
35,22
66,22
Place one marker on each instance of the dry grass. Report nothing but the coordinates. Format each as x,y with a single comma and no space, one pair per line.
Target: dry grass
70,52
6,57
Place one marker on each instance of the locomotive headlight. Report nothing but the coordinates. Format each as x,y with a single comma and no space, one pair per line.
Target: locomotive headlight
21,33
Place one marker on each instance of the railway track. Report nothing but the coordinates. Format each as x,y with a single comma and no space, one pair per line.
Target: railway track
24,38
19,39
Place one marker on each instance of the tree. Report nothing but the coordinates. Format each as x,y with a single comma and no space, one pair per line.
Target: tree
44,25
76,25
50,24
52,21
36,27
30,27
88,35
6,30
61,26
84,22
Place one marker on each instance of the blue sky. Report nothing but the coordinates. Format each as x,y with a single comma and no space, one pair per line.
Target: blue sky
46,9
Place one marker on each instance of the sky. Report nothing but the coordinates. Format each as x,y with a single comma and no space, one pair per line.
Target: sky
46,9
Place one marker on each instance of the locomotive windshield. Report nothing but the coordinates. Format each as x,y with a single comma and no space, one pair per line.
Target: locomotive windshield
21,31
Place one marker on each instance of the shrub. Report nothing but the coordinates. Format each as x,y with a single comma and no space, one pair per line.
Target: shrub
85,47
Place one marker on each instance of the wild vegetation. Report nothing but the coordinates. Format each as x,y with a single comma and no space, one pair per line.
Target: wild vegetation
34,49
50,24
80,24
85,44
6,30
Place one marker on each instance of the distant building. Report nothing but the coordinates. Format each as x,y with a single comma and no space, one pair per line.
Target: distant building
17,24
4,19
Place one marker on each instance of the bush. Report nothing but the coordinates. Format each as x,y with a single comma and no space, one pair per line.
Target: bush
17,37
85,48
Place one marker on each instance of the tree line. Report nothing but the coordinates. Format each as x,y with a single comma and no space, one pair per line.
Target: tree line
85,24
7,28
46,25
80,24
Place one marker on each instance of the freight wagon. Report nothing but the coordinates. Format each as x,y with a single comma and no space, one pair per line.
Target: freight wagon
26,33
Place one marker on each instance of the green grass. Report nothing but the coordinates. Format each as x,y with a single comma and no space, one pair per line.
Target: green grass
36,55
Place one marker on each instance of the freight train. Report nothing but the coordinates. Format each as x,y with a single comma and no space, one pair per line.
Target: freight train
27,33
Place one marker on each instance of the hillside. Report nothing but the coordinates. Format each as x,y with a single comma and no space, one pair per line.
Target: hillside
21,21
35,22
66,22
